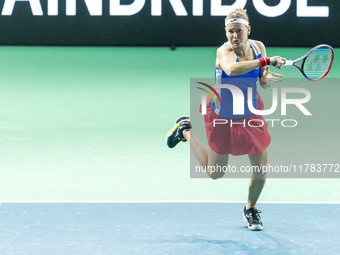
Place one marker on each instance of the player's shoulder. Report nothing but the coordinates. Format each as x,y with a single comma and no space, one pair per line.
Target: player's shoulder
260,44
224,49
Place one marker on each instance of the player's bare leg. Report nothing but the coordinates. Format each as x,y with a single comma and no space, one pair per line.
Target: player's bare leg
206,156
182,132
200,150
257,181
258,178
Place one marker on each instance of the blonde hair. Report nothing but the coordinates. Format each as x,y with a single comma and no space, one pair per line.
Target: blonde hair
238,13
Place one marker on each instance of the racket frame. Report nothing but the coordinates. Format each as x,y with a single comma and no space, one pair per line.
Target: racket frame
293,62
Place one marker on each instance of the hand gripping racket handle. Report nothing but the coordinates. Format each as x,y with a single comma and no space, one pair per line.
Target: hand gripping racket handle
289,63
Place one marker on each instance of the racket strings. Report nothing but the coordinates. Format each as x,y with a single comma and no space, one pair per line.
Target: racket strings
317,63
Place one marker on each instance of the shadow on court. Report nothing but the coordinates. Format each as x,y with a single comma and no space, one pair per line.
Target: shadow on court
165,228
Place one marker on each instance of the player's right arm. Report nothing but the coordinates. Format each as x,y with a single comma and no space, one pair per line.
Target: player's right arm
225,60
266,76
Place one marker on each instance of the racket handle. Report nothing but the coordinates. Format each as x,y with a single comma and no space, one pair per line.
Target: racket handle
289,63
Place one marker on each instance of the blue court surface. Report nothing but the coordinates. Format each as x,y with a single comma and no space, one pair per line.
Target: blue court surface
166,228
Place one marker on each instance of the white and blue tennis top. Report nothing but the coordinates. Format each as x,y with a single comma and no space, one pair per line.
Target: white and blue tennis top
242,81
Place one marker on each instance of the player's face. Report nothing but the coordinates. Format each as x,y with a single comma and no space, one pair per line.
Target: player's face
237,34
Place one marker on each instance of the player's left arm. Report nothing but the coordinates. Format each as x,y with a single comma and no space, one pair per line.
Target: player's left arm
267,76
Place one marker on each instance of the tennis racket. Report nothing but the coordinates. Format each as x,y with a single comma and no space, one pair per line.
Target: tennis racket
316,63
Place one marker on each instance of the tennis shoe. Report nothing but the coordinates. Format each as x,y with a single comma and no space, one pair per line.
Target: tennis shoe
175,135
252,217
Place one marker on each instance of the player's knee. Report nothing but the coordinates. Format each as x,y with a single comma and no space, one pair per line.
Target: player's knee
259,177
259,172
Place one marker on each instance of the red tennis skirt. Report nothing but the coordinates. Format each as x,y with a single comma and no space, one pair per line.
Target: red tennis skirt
230,137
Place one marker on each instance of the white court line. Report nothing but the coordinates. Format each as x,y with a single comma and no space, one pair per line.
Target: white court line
161,202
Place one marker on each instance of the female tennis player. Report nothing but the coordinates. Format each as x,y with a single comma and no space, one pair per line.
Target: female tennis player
241,58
